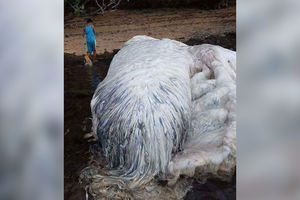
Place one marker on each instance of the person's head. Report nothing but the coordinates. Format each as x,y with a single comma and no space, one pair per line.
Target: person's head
89,21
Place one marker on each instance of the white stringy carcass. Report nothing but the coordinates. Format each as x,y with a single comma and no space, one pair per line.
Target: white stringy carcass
165,109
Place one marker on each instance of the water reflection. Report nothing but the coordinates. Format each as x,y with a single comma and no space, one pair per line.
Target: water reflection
94,74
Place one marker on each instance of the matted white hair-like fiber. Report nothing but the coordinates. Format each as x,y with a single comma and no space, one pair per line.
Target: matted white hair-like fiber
141,110
165,109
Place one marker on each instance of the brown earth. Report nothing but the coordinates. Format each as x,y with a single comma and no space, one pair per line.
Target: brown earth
115,27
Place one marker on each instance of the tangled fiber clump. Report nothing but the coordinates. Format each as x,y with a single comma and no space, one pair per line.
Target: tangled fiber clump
165,109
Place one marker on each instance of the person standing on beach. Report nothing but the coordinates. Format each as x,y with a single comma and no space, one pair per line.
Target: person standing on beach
89,32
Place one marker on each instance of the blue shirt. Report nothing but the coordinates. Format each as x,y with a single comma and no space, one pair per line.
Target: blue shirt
89,33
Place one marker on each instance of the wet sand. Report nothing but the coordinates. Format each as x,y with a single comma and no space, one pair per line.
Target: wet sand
115,27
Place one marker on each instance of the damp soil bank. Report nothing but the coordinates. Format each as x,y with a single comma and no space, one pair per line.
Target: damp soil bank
79,86
113,28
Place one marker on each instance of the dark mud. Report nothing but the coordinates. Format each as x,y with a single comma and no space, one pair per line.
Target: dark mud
80,83
79,86
213,190
226,40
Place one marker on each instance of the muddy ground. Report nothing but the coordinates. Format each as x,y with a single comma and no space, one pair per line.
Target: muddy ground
115,27
190,26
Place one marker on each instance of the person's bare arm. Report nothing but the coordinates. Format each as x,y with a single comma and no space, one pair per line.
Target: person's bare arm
94,30
83,33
